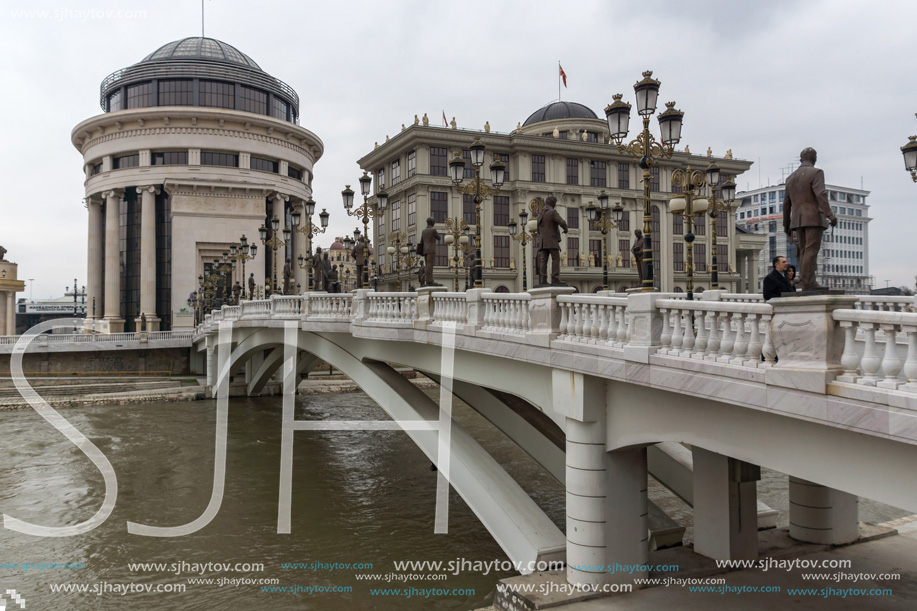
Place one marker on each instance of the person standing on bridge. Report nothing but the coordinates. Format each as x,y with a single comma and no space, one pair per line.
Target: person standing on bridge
777,281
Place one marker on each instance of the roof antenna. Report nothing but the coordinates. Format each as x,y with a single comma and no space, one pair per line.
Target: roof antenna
202,18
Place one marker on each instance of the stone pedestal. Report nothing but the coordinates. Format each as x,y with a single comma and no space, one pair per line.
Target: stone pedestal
725,506
475,307
645,326
822,515
545,315
425,305
808,342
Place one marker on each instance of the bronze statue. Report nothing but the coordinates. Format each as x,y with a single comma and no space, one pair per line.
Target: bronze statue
547,243
334,286
236,292
317,270
359,256
251,286
637,250
2,254
287,277
326,271
806,211
427,249
143,322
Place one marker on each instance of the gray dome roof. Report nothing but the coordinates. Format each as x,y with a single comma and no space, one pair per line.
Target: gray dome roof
198,47
560,110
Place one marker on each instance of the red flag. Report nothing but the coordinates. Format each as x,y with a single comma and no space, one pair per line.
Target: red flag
563,74
445,122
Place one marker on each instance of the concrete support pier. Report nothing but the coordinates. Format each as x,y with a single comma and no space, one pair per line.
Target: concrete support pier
725,506
819,514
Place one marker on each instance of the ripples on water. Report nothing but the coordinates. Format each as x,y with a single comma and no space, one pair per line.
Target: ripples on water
357,497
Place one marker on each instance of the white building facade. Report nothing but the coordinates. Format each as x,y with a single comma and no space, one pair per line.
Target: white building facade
196,146
843,263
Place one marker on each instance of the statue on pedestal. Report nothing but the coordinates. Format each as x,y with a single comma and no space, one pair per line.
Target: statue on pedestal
547,242
637,250
427,248
317,270
3,252
287,277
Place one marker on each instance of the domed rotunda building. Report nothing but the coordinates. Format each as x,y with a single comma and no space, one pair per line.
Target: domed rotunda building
196,146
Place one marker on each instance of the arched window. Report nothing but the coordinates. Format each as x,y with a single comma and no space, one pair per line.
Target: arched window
597,288
501,289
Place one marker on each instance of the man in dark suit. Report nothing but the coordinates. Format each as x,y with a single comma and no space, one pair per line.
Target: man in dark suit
547,242
428,239
806,211
776,282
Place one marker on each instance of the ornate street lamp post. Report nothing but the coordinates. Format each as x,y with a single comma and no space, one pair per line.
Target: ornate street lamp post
366,211
310,232
688,203
76,293
524,238
480,191
728,191
645,149
457,237
599,220
274,242
243,251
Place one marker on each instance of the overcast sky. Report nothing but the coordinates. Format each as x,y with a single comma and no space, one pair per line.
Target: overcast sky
765,79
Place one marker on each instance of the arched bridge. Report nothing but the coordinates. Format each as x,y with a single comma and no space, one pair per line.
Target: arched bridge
602,389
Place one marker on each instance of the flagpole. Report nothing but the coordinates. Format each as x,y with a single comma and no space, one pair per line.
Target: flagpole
558,80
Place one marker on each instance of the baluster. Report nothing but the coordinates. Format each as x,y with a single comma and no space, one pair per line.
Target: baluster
563,320
727,341
850,359
677,333
623,326
666,337
754,344
587,322
741,339
603,323
488,314
891,364
701,343
870,361
578,321
910,364
688,340
612,324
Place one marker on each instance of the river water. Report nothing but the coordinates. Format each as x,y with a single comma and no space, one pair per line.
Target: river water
358,497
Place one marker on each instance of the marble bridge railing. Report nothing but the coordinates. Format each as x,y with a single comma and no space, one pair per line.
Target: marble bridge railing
735,331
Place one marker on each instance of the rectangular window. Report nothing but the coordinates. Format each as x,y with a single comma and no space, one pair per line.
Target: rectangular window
624,251
722,257
537,168
623,176
597,176
700,257
380,179
468,212
264,165
170,158
572,217
654,178
412,163
253,100
396,216
573,252
755,198
412,210
96,168
678,224
595,249
501,212
140,96
469,169
592,137
501,251
127,161
217,95
572,171
280,109
438,161
396,172
771,210
176,93
678,252
841,197
439,206
780,196
505,160
294,173
624,225
224,159
859,213
772,197
441,258
722,226
115,102
700,226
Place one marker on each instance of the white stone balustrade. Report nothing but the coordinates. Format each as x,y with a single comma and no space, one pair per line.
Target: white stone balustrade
879,363
727,332
507,312
391,307
286,306
325,306
254,309
593,319
450,307
232,312
742,297
883,303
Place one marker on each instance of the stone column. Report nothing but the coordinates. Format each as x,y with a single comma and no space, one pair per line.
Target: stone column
822,515
725,506
94,265
11,313
3,306
115,324
148,257
280,212
753,275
